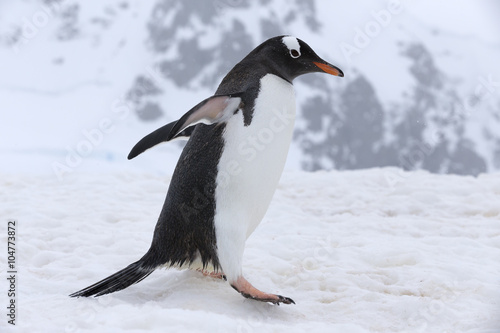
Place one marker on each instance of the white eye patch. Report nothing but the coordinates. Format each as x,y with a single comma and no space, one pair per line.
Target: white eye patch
293,46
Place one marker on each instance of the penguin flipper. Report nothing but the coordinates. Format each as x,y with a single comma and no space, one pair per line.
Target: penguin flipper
212,110
156,137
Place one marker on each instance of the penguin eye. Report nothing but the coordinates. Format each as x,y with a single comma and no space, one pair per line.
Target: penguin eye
294,53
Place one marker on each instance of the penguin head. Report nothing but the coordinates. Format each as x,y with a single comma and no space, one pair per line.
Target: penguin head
290,57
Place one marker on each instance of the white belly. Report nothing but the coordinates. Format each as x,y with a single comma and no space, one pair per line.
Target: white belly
251,165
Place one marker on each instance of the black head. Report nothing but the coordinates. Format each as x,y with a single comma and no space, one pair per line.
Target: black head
289,57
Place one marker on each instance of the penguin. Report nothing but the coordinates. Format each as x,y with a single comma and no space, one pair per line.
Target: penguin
228,171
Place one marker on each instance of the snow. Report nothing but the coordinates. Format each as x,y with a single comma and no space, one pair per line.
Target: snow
377,250
466,18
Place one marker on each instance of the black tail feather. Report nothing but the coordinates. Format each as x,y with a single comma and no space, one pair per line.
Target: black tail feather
131,274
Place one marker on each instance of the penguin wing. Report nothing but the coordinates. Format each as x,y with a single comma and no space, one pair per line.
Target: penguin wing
156,137
212,110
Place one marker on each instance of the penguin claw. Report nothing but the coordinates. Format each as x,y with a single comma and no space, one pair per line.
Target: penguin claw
279,299
248,291
214,275
285,300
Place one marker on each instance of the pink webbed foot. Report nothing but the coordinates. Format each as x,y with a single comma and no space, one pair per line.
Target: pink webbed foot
246,289
215,275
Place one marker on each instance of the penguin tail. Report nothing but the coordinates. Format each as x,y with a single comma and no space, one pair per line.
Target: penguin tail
128,276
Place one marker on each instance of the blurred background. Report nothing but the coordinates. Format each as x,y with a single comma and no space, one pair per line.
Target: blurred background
82,81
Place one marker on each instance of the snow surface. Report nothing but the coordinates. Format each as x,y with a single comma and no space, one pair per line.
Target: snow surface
377,250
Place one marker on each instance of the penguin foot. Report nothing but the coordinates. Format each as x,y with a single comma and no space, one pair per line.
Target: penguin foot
214,275
246,289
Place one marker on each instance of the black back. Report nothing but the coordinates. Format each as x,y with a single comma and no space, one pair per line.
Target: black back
185,227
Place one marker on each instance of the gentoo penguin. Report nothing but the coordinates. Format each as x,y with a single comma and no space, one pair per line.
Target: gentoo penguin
228,171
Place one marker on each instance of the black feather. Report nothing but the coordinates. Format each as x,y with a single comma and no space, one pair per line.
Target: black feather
131,274
156,137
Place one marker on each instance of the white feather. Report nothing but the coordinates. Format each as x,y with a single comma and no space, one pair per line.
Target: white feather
291,43
250,168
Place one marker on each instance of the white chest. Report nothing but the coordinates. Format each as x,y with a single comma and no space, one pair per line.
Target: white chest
254,156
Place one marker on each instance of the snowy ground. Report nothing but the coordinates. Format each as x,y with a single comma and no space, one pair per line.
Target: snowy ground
360,251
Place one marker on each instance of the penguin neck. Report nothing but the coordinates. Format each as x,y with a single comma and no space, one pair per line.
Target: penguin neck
275,69
247,74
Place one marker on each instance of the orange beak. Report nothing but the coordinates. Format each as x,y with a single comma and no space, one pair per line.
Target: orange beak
330,69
